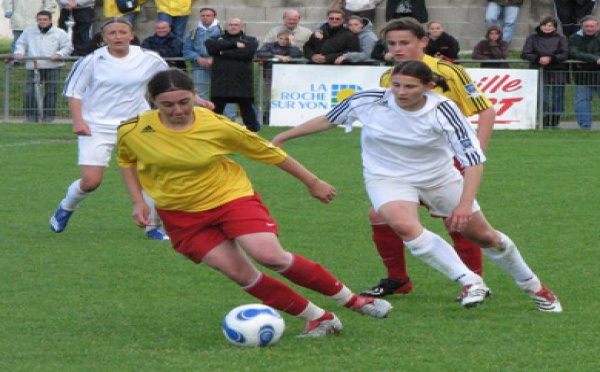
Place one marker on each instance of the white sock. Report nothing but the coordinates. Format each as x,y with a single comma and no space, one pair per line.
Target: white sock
74,196
343,296
507,256
435,252
156,222
311,312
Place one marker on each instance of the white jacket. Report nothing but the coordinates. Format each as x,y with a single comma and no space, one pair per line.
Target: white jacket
80,3
34,43
24,11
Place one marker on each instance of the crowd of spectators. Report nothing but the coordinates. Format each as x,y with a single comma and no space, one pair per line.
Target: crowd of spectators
346,36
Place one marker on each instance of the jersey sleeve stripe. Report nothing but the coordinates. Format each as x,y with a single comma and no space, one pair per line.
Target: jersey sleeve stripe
457,122
76,71
371,96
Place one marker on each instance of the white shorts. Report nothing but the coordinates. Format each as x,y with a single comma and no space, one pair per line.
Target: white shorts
96,149
441,200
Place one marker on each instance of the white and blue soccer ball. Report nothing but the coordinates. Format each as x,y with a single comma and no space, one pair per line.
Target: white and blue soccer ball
253,325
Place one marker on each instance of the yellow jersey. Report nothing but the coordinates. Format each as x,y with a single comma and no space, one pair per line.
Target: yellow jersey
188,170
463,90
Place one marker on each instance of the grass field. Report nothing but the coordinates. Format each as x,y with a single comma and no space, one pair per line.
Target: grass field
101,297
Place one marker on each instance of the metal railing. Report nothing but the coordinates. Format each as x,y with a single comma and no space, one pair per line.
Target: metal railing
568,93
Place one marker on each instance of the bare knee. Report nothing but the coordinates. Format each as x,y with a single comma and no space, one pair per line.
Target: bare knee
407,230
90,184
274,259
374,218
484,238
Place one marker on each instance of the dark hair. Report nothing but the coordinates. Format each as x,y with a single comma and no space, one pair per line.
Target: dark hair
404,24
214,12
169,81
44,13
549,19
112,20
421,71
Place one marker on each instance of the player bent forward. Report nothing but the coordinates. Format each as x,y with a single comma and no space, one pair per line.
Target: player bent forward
208,205
409,137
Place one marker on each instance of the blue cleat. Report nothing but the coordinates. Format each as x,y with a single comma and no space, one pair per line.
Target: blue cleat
157,234
60,219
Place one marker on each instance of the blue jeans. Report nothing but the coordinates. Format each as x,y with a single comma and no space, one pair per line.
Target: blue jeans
510,15
49,79
13,45
177,23
554,99
201,78
583,104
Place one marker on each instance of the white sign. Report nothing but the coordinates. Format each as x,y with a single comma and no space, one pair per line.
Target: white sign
301,92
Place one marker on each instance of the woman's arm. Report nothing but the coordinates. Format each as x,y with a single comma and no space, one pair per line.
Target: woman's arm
80,128
141,211
463,212
315,125
316,187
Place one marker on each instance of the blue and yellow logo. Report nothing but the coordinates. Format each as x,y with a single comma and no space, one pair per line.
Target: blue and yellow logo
340,92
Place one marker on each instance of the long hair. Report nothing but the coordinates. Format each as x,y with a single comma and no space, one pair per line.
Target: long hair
421,71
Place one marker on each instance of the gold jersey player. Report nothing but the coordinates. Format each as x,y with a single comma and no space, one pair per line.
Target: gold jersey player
178,155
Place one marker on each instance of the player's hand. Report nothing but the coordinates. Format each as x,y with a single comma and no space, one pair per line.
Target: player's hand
460,217
141,214
81,129
322,190
277,141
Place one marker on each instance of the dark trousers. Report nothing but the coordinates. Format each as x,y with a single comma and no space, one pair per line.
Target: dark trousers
570,12
82,31
247,109
49,79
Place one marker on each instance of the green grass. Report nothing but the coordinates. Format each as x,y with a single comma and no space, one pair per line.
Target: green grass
101,297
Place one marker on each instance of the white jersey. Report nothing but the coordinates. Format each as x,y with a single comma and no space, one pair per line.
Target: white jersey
414,146
112,89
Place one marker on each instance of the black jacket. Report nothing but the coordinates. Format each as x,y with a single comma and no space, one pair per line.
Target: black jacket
445,47
555,46
335,42
232,71
168,47
417,7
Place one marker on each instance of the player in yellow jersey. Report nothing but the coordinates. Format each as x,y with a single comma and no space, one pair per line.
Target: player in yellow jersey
406,40
178,155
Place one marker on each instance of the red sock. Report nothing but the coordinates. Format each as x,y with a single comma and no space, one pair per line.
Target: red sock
313,276
468,252
276,294
391,249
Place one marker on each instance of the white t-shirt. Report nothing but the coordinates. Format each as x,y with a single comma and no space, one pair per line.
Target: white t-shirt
414,146
112,89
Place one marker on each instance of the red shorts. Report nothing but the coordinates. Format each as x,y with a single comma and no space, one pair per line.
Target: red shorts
194,234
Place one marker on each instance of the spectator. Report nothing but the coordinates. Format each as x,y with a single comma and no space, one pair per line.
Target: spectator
549,49
491,48
570,12
331,40
176,13
360,8
232,72
82,13
584,45
291,20
22,14
42,40
194,50
110,10
283,51
165,43
382,53
510,12
441,44
362,27
406,8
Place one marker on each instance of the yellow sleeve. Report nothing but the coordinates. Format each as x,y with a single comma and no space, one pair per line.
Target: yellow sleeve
125,157
463,90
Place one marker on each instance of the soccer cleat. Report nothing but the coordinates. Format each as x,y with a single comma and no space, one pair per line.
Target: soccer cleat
157,234
323,327
474,294
60,219
388,287
374,307
545,300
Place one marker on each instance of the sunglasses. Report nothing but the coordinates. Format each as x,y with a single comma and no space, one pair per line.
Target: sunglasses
335,18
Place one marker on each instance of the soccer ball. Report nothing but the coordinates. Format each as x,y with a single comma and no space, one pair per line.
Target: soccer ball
253,325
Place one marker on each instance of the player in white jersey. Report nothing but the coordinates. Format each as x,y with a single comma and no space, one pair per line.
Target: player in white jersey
409,137
105,88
